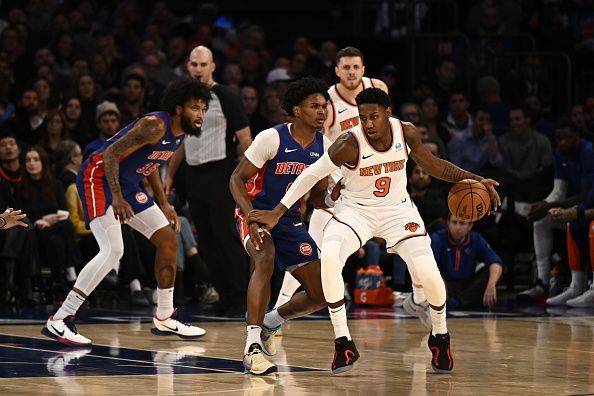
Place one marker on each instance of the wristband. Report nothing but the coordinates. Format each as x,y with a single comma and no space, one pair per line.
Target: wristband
580,211
329,201
4,222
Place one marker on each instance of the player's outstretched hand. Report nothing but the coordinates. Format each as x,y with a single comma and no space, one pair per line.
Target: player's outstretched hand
13,218
267,218
121,209
495,199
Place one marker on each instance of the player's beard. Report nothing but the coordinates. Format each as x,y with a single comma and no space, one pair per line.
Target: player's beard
187,127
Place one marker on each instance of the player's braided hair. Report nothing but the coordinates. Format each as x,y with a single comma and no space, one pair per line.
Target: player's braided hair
301,89
182,90
373,96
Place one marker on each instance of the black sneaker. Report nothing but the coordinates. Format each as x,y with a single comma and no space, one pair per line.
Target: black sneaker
442,361
345,355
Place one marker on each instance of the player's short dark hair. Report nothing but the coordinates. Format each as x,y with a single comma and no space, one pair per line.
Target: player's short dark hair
182,90
301,89
349,52
373,96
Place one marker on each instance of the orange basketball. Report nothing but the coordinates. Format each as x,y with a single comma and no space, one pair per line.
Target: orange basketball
469,200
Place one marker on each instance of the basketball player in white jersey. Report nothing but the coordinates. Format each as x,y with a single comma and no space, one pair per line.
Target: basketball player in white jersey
342,116
375,203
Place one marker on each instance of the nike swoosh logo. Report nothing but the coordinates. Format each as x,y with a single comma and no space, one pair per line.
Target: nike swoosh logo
289,151
60,333
172,329
367,156
341,111
165,142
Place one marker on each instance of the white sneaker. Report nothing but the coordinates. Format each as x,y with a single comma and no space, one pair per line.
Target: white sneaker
420,311
171,326
571,292
256,363
64,331
585,300
267,337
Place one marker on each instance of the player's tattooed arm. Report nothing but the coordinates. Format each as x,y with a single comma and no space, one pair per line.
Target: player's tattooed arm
431,164
148,130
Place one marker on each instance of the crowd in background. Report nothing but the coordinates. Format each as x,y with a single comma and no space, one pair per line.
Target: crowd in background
73,73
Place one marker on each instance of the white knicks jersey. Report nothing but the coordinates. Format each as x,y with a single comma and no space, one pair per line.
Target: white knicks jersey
379,178
345,115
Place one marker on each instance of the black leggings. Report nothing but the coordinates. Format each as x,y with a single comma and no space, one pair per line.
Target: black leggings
58,248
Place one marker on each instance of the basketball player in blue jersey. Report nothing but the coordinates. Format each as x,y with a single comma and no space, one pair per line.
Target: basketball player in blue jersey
109,188
272,162
375,203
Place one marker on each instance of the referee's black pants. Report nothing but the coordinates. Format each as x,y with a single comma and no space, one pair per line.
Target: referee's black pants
212,208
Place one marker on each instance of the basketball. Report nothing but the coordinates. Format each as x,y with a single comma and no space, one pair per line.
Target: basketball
469,200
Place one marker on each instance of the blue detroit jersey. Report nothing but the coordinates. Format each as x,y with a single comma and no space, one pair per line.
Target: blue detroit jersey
269,185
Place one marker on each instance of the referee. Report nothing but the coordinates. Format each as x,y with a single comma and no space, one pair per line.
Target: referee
211,158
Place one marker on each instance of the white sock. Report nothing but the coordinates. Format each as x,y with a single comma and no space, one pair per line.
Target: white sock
418,294
253,337
273,319
70,274
438,321
288,288
70,305
135,285
339,321
577,279
164,303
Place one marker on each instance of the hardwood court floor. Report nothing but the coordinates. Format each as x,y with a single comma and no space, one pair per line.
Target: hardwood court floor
501,354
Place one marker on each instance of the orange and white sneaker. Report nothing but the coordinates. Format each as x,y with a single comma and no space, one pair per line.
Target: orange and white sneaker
64,331
172,326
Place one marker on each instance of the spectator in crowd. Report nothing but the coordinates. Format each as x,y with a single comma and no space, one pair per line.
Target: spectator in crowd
132,101
410,112
88,96
250,101
27,118
211,165
489,95
77,130
458,122
468,264
67,160
430,118
53,131
270,107
477,151
232,76
527,158
42,197
445,81
527,178
108,124
579,123
538,120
